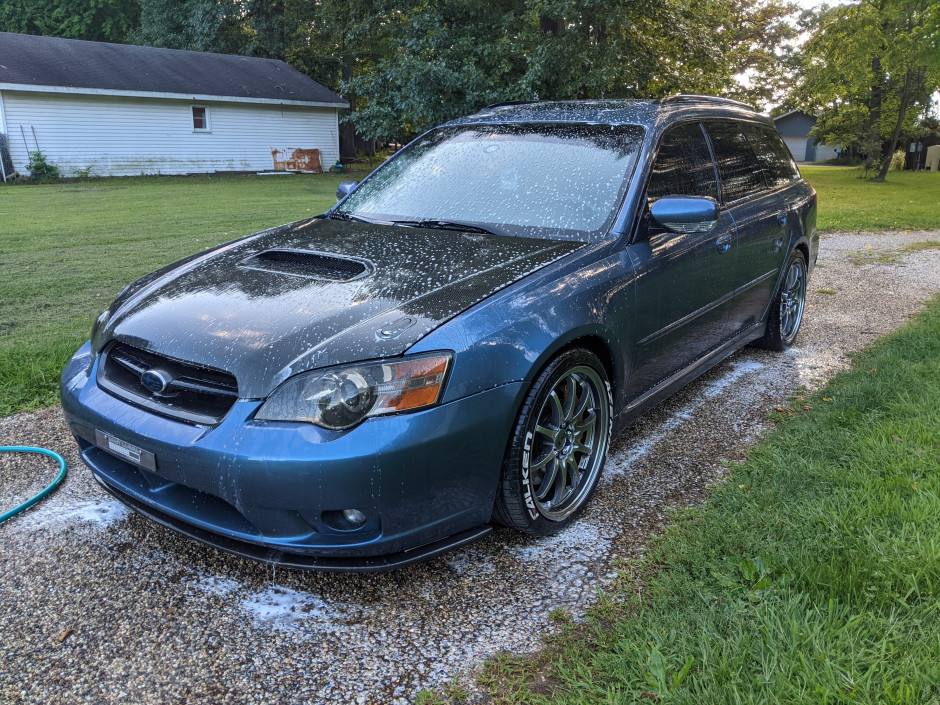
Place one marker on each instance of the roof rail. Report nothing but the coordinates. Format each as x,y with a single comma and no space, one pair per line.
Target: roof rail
691,98
514,102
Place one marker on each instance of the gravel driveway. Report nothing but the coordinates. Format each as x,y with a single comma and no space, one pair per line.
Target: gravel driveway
100,605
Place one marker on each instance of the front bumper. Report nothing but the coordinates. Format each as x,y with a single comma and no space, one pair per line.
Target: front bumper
275,491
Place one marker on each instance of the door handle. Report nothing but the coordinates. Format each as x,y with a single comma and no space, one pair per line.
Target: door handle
723,243
782,218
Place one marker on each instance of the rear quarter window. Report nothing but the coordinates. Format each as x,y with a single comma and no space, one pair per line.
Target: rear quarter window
773,155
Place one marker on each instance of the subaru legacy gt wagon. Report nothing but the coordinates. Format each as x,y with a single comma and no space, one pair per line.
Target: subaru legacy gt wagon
452,345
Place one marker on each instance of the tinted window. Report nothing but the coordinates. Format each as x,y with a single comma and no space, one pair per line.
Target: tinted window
683,165
535,180
773,155
740,172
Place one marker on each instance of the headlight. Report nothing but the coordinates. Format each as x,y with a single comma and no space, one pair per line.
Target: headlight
341,397
98,327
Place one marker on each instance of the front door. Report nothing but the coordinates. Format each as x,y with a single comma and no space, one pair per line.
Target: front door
682,279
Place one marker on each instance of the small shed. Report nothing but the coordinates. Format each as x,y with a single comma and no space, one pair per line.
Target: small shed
118,110
933,158
794,127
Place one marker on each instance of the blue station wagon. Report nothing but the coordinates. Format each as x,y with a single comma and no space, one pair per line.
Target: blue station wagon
454,344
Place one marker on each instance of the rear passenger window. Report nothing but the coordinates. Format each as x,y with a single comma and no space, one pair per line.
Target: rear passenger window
683,166
740,172
773,155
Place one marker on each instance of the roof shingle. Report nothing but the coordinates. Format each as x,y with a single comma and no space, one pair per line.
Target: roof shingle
34,61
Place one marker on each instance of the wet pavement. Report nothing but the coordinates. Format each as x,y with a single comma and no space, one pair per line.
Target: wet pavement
102,606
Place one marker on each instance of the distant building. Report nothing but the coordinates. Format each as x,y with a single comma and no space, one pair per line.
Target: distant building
117,110
794,127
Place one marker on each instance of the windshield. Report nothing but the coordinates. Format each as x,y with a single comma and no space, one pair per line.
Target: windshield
553,181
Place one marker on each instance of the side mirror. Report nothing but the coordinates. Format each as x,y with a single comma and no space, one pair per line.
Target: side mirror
345,188
685,214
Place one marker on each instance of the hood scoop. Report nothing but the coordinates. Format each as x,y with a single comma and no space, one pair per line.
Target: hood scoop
304,263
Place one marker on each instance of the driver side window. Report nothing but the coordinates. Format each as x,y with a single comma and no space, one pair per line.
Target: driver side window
683,165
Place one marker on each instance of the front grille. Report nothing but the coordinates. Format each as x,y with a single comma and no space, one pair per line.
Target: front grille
307,264
183,390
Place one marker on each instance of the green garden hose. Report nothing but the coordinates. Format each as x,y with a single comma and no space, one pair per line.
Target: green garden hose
55,483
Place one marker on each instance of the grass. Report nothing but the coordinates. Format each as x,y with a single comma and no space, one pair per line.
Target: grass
921,246
873,256
68,248
812,576
906,201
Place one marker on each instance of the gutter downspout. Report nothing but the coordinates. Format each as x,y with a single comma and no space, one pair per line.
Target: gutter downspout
3,129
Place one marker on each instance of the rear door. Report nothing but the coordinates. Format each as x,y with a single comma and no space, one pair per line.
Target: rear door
683,280
760,215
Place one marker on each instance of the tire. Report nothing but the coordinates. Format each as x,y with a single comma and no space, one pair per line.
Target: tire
786,311
558,446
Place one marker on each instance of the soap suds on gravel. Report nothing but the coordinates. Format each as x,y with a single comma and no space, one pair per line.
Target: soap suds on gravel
158,618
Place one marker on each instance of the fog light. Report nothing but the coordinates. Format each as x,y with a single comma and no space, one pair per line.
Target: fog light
354,516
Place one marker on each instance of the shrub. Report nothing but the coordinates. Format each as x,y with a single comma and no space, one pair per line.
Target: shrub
897,161
41,170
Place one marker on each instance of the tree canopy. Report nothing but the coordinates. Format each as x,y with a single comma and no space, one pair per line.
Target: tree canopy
450,57
95,20
405,68
869,70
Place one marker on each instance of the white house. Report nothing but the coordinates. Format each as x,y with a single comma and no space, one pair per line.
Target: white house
118,110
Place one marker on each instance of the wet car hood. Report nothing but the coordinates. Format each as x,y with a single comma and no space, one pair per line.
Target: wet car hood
279,302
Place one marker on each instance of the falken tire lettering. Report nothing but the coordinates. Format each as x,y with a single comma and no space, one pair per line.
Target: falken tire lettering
527,487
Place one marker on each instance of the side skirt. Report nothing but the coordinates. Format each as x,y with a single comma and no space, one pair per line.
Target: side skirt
670,385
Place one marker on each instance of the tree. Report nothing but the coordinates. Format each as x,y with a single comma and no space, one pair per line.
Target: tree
335,40
452,57
446,58
869,70
94,20
195,25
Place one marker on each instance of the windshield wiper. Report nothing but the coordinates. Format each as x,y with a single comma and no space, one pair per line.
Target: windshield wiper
442,225
346,215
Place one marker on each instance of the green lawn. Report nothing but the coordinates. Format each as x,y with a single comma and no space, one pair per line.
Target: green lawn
906,201
67,249
811,576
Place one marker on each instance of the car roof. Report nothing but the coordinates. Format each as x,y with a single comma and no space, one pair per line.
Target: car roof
649,113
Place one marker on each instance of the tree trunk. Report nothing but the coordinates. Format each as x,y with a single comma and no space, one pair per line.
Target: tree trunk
896,135
347,130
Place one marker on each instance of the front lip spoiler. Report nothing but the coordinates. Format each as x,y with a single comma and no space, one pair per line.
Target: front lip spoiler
273,556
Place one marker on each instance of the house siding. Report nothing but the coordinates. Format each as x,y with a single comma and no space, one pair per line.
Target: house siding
798,147
117,136
794,128
794,125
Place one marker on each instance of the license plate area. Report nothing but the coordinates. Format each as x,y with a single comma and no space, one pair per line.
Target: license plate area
126,451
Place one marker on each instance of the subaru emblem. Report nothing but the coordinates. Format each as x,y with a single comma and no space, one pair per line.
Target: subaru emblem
154,381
